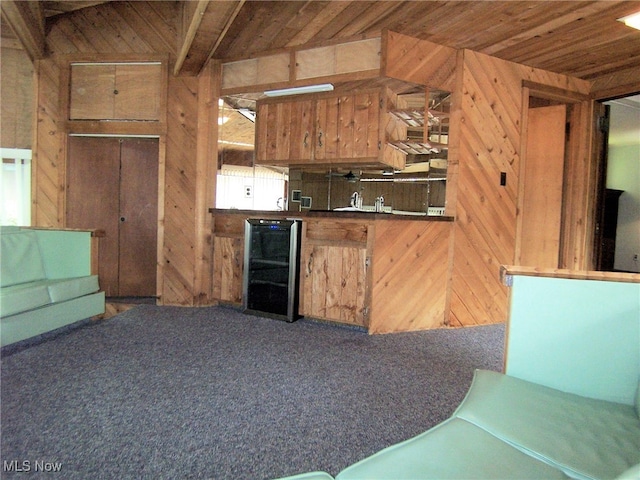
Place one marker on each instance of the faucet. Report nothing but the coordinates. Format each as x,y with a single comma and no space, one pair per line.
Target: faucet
356,200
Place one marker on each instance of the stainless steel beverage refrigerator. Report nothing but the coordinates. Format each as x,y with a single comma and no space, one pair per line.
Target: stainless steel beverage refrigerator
271,268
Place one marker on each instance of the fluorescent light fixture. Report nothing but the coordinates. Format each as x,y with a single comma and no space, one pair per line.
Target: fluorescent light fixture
248,114
325,87
632,20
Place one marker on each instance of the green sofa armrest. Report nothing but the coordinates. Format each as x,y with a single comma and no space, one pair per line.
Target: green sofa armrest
309,476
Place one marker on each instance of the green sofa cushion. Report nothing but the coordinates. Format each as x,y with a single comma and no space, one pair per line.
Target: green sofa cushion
20,260
584,437
454,449
27,296
23,297
68,288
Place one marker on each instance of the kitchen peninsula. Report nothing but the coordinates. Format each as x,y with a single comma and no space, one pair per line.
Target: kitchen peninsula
384,272
390,273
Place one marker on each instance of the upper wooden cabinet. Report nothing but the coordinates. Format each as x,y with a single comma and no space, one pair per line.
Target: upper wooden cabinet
327,129
285,131
116,91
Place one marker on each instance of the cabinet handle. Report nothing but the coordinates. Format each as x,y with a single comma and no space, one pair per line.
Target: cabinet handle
310,263
320,139
306,136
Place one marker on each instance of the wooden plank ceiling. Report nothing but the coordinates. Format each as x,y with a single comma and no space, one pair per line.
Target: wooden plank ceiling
578,38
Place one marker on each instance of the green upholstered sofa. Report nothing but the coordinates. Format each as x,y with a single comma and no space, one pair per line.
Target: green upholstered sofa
568,405
46,281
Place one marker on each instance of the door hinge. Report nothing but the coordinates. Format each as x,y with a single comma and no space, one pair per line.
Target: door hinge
603,124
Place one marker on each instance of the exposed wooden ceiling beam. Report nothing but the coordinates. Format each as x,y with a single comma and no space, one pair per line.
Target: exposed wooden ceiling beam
192,29
26,19
205,27
232,16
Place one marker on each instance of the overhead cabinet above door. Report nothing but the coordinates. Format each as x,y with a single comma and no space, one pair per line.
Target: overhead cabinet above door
115,91
330,129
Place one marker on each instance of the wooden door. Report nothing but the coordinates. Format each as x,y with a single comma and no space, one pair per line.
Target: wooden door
541,206
138,217
112,185
93,199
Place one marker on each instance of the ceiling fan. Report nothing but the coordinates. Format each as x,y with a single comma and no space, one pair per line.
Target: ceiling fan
349,176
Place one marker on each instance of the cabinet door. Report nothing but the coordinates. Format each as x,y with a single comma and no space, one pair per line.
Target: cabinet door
327,136
115,91
139,88
348,128
334,283
285,132
91,95
228,257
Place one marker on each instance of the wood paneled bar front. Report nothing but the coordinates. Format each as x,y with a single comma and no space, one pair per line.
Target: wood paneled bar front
384,272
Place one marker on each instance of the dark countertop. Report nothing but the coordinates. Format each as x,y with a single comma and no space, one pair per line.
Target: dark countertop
330,214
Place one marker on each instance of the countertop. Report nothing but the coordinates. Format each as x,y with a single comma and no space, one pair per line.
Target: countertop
351,215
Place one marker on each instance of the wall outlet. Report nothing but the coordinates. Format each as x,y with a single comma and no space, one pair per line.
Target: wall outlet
635,257
248,191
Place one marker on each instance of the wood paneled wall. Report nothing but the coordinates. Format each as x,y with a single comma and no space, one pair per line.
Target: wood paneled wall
491,108
485,139
410,275
418,61
144,29
16,100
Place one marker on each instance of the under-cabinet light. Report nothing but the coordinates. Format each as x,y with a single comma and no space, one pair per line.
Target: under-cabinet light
632,20
325,87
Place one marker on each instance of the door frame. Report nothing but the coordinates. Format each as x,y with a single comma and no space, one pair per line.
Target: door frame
601,151
578,199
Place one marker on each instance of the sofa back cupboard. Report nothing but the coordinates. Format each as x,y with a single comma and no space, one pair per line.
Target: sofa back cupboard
48,279
575,331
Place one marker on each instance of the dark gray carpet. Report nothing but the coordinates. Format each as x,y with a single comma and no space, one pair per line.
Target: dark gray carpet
169,392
